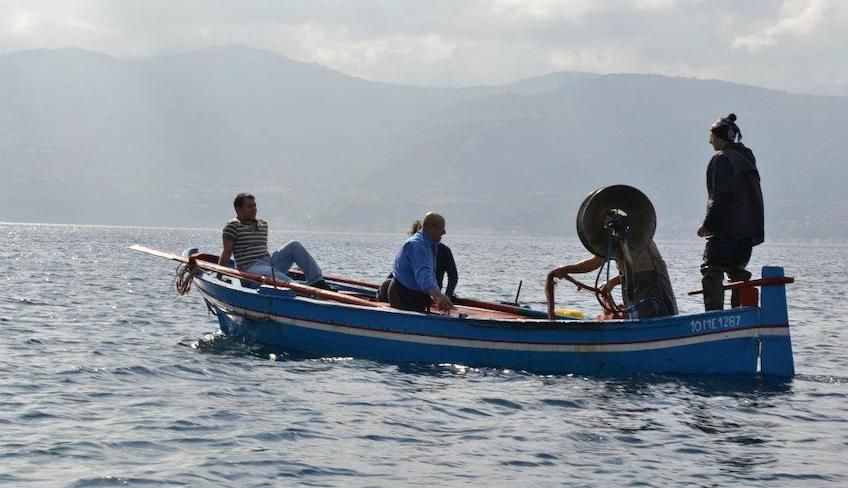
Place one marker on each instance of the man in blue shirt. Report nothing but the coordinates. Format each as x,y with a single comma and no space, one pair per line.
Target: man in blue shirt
414,284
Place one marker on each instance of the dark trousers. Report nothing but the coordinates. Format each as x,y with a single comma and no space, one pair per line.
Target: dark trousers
724,256
651,297
406,299
383,291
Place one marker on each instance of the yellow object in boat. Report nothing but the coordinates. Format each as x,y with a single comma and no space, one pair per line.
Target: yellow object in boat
568,312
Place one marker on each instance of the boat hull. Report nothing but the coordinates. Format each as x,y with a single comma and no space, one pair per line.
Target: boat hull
747,340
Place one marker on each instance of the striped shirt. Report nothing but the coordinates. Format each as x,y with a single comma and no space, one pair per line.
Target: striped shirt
249,245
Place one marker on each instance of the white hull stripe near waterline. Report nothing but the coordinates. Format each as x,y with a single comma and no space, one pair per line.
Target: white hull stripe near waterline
419,338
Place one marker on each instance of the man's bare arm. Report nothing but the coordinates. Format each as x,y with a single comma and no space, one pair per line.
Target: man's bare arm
226,253
586,265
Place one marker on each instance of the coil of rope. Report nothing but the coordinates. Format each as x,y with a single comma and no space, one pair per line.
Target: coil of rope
184,275
611,309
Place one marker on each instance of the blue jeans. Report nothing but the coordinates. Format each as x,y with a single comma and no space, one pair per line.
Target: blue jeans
282,259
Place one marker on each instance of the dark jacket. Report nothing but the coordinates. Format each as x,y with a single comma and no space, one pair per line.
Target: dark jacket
446,264
735,199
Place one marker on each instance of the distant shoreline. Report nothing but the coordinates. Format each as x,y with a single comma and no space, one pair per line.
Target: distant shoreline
835,242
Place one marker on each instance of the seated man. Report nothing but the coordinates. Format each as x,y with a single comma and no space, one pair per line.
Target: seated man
650,288
445,264
413,286
246,239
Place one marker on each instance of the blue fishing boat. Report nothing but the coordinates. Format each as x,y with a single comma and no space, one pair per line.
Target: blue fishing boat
350,322
618,220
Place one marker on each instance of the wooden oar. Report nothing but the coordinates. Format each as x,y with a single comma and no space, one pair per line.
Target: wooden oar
213,258
304,290
210,259
499,307
467,302
778,280
339,279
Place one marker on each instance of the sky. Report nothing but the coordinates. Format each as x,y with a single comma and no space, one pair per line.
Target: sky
792,45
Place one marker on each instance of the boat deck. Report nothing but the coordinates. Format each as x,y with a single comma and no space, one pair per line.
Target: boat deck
460,310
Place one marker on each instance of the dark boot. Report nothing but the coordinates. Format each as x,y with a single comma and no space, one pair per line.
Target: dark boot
712,283
322,285
737,275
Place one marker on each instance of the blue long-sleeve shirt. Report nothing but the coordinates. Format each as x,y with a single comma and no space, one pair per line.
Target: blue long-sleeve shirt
415,263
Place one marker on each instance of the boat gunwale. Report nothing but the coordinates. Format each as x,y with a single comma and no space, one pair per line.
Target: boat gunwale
516,324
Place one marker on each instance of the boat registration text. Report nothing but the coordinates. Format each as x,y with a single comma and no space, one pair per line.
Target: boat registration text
715,323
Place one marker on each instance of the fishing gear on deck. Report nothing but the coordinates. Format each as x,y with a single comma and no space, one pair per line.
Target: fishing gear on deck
518,292
616,222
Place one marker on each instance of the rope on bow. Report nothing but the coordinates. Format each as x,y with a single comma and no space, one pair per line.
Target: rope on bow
183,277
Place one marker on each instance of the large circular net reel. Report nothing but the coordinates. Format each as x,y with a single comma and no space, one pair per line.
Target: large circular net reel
620,211
616,221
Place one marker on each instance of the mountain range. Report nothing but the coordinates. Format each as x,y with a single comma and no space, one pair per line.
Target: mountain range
169,140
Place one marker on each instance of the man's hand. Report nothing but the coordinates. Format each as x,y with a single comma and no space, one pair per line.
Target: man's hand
703,232
606,287
441,300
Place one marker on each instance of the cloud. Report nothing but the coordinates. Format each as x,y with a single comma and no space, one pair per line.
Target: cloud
597,59
551,10
19,24
540,9
340,47
797,18
462,42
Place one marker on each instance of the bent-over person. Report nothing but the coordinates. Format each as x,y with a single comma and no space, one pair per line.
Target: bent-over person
649,290
413,285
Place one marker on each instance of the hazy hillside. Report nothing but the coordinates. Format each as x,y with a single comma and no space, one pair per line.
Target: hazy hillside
158,139
169,140
522,158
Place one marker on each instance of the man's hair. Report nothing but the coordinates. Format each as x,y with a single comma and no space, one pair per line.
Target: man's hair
240,198
726,128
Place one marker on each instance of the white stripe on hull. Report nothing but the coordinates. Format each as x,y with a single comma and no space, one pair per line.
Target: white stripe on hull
411,338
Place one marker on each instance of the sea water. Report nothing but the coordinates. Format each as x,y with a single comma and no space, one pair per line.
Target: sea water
108,378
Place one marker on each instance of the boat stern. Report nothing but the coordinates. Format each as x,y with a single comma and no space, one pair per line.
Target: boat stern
775,346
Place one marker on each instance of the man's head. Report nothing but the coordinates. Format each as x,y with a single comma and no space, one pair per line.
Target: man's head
434,226
723,131
245,205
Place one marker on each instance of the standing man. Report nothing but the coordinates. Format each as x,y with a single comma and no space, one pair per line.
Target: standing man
413,286
246,239
734,223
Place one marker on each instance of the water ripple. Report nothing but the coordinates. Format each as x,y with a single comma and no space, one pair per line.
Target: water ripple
109,379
